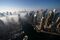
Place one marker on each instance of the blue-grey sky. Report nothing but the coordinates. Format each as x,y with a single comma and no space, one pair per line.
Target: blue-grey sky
29,3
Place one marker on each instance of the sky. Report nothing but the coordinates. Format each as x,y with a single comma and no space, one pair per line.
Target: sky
28,4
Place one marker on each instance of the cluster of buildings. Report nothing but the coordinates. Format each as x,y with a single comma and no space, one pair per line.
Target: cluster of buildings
48,21
41,20
45,20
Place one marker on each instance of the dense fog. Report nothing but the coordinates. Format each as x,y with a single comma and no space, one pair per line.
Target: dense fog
20,26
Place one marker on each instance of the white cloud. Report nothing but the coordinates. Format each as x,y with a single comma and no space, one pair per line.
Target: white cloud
9,9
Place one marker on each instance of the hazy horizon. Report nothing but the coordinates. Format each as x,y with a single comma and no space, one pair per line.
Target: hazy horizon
14,5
